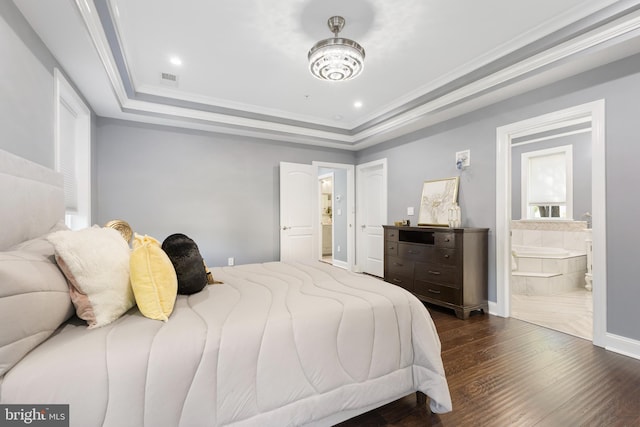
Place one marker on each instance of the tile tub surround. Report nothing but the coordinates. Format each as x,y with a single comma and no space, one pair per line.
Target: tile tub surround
569,235
548,276
563,267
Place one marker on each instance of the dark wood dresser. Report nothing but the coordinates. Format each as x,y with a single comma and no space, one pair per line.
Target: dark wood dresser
443,266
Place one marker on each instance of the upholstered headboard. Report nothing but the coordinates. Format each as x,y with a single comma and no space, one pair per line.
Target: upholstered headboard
31,199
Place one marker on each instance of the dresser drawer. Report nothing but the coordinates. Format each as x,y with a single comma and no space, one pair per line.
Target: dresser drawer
445,240
435,273
391,234
398,267
444,256
400,280
415,252
390,248
438,292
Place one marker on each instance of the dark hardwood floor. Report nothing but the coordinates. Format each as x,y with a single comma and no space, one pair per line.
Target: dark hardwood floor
506,372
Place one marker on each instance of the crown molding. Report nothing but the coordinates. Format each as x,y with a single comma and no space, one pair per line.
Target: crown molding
404,122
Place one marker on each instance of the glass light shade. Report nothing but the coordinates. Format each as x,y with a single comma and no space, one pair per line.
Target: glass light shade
336,59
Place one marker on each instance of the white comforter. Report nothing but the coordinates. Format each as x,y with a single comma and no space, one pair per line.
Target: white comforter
277,344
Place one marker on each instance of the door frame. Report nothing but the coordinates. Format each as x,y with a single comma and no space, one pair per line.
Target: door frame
594,112
322,177
351,209
359,170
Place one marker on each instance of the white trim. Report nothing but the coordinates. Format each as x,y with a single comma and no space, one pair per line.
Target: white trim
493,308
554,136
504,134
623,345
66,97
341,264
92,22
614,31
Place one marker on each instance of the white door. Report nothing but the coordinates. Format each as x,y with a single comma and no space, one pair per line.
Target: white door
371,213
298,211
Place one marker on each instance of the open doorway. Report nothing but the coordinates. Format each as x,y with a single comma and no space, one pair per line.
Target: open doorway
326,216
592,113
342,215
551,229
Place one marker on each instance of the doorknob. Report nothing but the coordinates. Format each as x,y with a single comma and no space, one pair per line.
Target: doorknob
363,226
284,227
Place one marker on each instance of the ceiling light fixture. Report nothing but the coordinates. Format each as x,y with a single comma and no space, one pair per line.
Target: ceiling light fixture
336,59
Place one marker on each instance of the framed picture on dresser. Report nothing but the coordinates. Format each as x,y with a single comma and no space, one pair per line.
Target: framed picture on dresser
437,197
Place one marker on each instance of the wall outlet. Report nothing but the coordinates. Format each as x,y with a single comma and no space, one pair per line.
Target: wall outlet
230,261
339,248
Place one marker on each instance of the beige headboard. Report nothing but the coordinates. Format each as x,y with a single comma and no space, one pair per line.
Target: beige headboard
31,199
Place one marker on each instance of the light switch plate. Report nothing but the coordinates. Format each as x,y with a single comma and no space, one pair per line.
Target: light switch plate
464,157
410,210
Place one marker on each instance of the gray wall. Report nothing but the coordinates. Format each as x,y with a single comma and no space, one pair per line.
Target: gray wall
429,154
222,191
582,160
26,89
26,92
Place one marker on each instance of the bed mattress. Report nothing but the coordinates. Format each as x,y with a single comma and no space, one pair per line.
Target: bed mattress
275,344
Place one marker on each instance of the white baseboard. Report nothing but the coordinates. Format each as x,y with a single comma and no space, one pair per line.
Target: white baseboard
493,308
623,345
341,264
615,343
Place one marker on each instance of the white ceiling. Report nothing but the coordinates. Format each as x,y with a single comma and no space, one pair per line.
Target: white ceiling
244,62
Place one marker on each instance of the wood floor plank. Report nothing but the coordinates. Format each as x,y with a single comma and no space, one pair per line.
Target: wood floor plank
506,372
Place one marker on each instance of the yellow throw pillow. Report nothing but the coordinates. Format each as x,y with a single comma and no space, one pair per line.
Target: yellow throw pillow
153,278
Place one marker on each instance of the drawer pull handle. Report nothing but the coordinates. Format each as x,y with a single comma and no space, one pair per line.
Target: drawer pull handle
397,280
413,252
446,256
398,264
436,273
447,240
433,291
392,247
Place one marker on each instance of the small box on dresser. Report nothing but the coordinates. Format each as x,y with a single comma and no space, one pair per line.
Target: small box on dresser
442,266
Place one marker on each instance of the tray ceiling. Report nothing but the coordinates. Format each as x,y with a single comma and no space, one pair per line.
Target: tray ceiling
243,64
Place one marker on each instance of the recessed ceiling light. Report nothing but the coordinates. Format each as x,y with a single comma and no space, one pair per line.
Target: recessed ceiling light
175,60
357,104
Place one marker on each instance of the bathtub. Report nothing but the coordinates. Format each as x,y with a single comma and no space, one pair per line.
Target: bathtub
543,252
546,271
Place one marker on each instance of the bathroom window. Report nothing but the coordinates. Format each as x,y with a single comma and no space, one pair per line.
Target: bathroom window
547,185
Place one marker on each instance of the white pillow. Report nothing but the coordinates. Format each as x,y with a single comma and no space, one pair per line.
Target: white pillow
96,263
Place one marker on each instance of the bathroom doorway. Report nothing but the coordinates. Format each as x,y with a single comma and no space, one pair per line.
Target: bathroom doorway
326,182
551,229
592,113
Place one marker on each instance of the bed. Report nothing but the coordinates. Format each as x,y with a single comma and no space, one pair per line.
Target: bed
274,344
